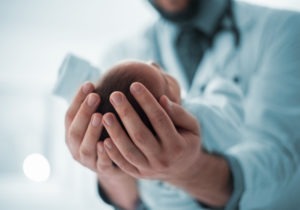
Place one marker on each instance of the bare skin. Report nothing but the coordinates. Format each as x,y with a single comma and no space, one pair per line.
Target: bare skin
172,6
83,128
175,157
83,146
171,162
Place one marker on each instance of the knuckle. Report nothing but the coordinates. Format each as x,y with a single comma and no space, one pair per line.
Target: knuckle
158,117
125,166
100,164
139,136
121,164
163,164
73,136
130,155
102,167
85,153
132,171
88,160
177,149
124,112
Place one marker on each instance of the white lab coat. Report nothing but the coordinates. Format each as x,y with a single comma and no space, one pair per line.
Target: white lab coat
257,124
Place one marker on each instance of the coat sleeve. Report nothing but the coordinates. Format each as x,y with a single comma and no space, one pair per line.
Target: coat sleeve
220,113
261,137
269,151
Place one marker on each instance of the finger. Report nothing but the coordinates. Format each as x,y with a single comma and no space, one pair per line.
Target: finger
156,114
80,123
82,93
138,132
180,117
118,159
104,163
88,148
121,140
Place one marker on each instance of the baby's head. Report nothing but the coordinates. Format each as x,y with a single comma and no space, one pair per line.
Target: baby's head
122,75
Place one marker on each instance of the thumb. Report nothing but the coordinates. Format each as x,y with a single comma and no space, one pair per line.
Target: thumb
180,117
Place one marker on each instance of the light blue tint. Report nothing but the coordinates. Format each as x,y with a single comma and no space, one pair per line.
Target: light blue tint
35,36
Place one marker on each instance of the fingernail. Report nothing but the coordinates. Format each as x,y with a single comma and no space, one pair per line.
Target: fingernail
108,144
92,100
117,99
136,88
86,88
96,121
108,120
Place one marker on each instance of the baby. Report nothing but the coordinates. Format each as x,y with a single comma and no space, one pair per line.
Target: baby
122,75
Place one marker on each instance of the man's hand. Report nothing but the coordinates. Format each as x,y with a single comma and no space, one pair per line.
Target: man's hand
83,128
173,155
169,155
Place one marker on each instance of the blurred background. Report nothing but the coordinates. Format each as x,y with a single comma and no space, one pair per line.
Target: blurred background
36,170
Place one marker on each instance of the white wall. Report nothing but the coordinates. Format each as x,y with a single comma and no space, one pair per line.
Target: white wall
34,37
